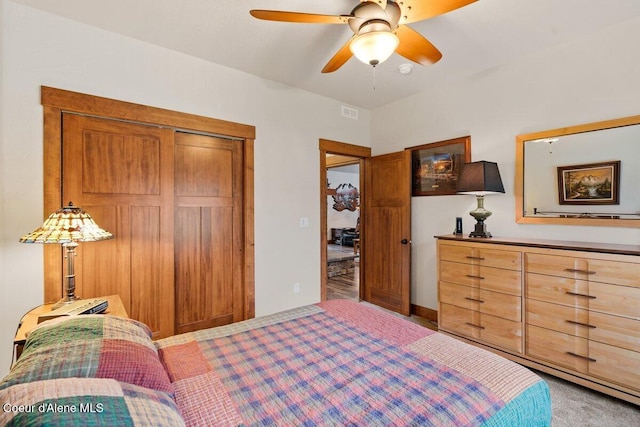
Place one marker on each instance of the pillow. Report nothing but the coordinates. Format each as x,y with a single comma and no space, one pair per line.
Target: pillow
91,346
86,402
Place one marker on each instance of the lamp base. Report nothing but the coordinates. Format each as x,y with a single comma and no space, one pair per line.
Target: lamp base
69,287
480,214
480,230
64,301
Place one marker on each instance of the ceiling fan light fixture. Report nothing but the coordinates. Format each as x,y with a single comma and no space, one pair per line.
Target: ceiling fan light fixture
374,47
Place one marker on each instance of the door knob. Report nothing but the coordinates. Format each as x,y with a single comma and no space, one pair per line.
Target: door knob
404,241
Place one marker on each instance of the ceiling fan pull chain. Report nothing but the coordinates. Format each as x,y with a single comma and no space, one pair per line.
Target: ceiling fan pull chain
374,78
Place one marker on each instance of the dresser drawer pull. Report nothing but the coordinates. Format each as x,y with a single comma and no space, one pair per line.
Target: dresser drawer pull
581,324
590,359
577,270
475,326
473,299
477,258
575,294
471,276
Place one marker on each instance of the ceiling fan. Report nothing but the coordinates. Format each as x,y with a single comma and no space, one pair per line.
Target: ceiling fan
379,29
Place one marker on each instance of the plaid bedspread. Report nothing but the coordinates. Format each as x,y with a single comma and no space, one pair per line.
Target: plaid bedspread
342,363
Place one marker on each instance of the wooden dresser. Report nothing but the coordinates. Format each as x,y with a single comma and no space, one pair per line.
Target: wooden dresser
570,309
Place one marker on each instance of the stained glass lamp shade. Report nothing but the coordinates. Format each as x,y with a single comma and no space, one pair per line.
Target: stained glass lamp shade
67,226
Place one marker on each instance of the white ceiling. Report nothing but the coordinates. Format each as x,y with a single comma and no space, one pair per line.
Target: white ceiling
472,39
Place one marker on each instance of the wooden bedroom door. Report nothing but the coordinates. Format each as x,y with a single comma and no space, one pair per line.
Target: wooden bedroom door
122,175
387,270
208,231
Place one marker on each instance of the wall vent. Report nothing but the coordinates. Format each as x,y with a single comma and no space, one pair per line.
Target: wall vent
350,113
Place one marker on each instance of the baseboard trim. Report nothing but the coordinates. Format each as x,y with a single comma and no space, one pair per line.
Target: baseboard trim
424,312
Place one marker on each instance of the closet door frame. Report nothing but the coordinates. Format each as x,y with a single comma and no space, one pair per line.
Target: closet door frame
55,102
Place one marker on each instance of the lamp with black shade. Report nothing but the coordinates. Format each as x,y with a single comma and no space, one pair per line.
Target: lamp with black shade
480,178
67,226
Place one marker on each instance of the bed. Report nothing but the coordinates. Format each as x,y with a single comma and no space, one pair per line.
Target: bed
334,363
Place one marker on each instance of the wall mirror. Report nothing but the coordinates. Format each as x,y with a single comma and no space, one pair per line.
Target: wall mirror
580,175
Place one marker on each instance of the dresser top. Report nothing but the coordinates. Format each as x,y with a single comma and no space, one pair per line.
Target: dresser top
610,248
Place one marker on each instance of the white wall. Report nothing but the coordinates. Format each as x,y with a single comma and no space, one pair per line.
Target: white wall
43,49
4,286
586,81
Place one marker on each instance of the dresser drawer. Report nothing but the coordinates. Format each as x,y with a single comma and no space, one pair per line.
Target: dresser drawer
481,256
601,297
490,278
594,270
477,299
604,361
603,328
558,348
615,364
481,327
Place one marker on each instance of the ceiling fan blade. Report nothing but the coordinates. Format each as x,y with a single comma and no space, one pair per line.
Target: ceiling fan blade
415,47
418,10
339,59
305,18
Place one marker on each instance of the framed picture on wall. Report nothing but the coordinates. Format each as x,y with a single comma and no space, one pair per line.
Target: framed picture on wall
435,167
589,184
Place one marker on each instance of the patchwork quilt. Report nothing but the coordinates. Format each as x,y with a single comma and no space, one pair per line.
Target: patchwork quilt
346,364
85,402
90,346
89,370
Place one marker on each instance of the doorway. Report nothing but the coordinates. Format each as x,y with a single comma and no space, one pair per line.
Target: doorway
344,159
343,227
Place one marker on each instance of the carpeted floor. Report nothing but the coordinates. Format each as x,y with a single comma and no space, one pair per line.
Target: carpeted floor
574,405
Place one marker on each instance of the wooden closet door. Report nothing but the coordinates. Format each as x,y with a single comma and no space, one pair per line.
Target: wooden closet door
208,231
122,175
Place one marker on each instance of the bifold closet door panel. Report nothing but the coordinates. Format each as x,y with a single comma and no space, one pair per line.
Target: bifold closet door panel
122,174
208,231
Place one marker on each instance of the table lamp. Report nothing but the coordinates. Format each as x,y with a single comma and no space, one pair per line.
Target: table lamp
480,178
67,226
